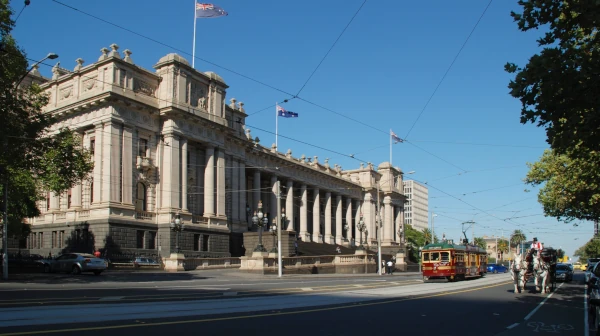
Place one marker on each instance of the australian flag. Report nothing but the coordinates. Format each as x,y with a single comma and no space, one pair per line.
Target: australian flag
281,112
209,11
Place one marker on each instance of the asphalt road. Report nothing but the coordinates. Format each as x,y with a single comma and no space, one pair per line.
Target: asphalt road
55,289
477,307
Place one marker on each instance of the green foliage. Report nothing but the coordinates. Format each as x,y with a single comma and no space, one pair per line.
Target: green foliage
571,187
559,89
479,241
32,157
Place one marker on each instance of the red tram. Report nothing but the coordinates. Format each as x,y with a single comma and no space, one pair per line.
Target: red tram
453,261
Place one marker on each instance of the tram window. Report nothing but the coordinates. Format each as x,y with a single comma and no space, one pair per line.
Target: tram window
425,256
435,256
445,256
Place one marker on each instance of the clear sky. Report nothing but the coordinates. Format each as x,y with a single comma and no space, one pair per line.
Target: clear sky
467,143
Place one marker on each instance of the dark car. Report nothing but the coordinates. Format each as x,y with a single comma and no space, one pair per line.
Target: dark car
497,268
564,273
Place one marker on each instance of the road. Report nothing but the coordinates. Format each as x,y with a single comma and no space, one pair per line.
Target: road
485,306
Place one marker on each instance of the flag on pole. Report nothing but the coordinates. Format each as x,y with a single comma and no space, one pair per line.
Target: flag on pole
395,137
204,10
281,112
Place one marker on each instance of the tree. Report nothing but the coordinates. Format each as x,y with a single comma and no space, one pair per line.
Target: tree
559,89
516,238
502,247
479,241
32,156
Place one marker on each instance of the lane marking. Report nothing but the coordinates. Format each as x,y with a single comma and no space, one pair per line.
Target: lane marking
586,326
542,303
230,318
512,325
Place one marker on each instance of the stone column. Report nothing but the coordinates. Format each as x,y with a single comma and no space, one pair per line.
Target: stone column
76,196
170,172
111,165
357,219
289,205
256,187
243,190
96,196
349,220
398,224
316,216
235,191
273,211
209,183
127,167
184,174
338,220
221,184
304,213
327,236
388,224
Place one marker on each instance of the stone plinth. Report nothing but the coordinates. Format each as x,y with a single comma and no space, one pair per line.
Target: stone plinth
175,262
401,262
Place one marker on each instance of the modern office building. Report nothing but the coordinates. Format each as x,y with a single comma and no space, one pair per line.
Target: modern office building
417,206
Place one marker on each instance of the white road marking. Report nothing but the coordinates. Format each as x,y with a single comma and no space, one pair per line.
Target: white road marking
542,303
512,325
586,327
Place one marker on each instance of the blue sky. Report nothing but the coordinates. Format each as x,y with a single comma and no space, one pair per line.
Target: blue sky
468,142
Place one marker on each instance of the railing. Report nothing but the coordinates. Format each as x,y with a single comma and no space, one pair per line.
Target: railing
144,215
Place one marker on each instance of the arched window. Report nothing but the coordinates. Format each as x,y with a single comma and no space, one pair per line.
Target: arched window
140,198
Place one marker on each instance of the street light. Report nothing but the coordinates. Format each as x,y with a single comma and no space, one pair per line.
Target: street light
257,219
361,227
177,226
5,186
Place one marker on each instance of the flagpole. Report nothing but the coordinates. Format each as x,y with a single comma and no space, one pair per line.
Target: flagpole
390,147
276,126
194,43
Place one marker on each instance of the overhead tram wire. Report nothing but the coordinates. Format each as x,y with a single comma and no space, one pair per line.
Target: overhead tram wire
227,69
174,48
331,48
448,70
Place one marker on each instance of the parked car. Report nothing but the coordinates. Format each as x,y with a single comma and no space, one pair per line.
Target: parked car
497,268
564,272
142,261
75,263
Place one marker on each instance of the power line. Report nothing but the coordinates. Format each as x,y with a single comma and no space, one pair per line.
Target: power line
331,48
448,70
171,47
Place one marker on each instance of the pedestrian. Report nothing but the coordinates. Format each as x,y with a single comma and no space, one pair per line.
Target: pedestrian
390,266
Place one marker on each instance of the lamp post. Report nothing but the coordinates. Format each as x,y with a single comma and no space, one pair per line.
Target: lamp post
361,228
177,226
257,219
5,187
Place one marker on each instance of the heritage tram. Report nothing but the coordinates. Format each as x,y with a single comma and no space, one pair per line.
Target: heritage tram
453,261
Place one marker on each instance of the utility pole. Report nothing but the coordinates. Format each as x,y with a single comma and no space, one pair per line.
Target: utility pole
378,222
279,257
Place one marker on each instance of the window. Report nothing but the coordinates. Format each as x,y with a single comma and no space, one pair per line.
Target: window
151,240
142,147
92,146
196,242
140,239
140,198
205,243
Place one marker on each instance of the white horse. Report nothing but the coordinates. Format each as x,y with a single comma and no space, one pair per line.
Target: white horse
541,270
516,272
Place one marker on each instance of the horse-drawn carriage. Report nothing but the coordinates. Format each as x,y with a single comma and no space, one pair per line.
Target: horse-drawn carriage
540,266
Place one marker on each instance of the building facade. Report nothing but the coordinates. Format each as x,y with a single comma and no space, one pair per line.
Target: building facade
165,142
416,212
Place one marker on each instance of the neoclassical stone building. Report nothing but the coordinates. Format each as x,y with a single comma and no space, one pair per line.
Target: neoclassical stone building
166,142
